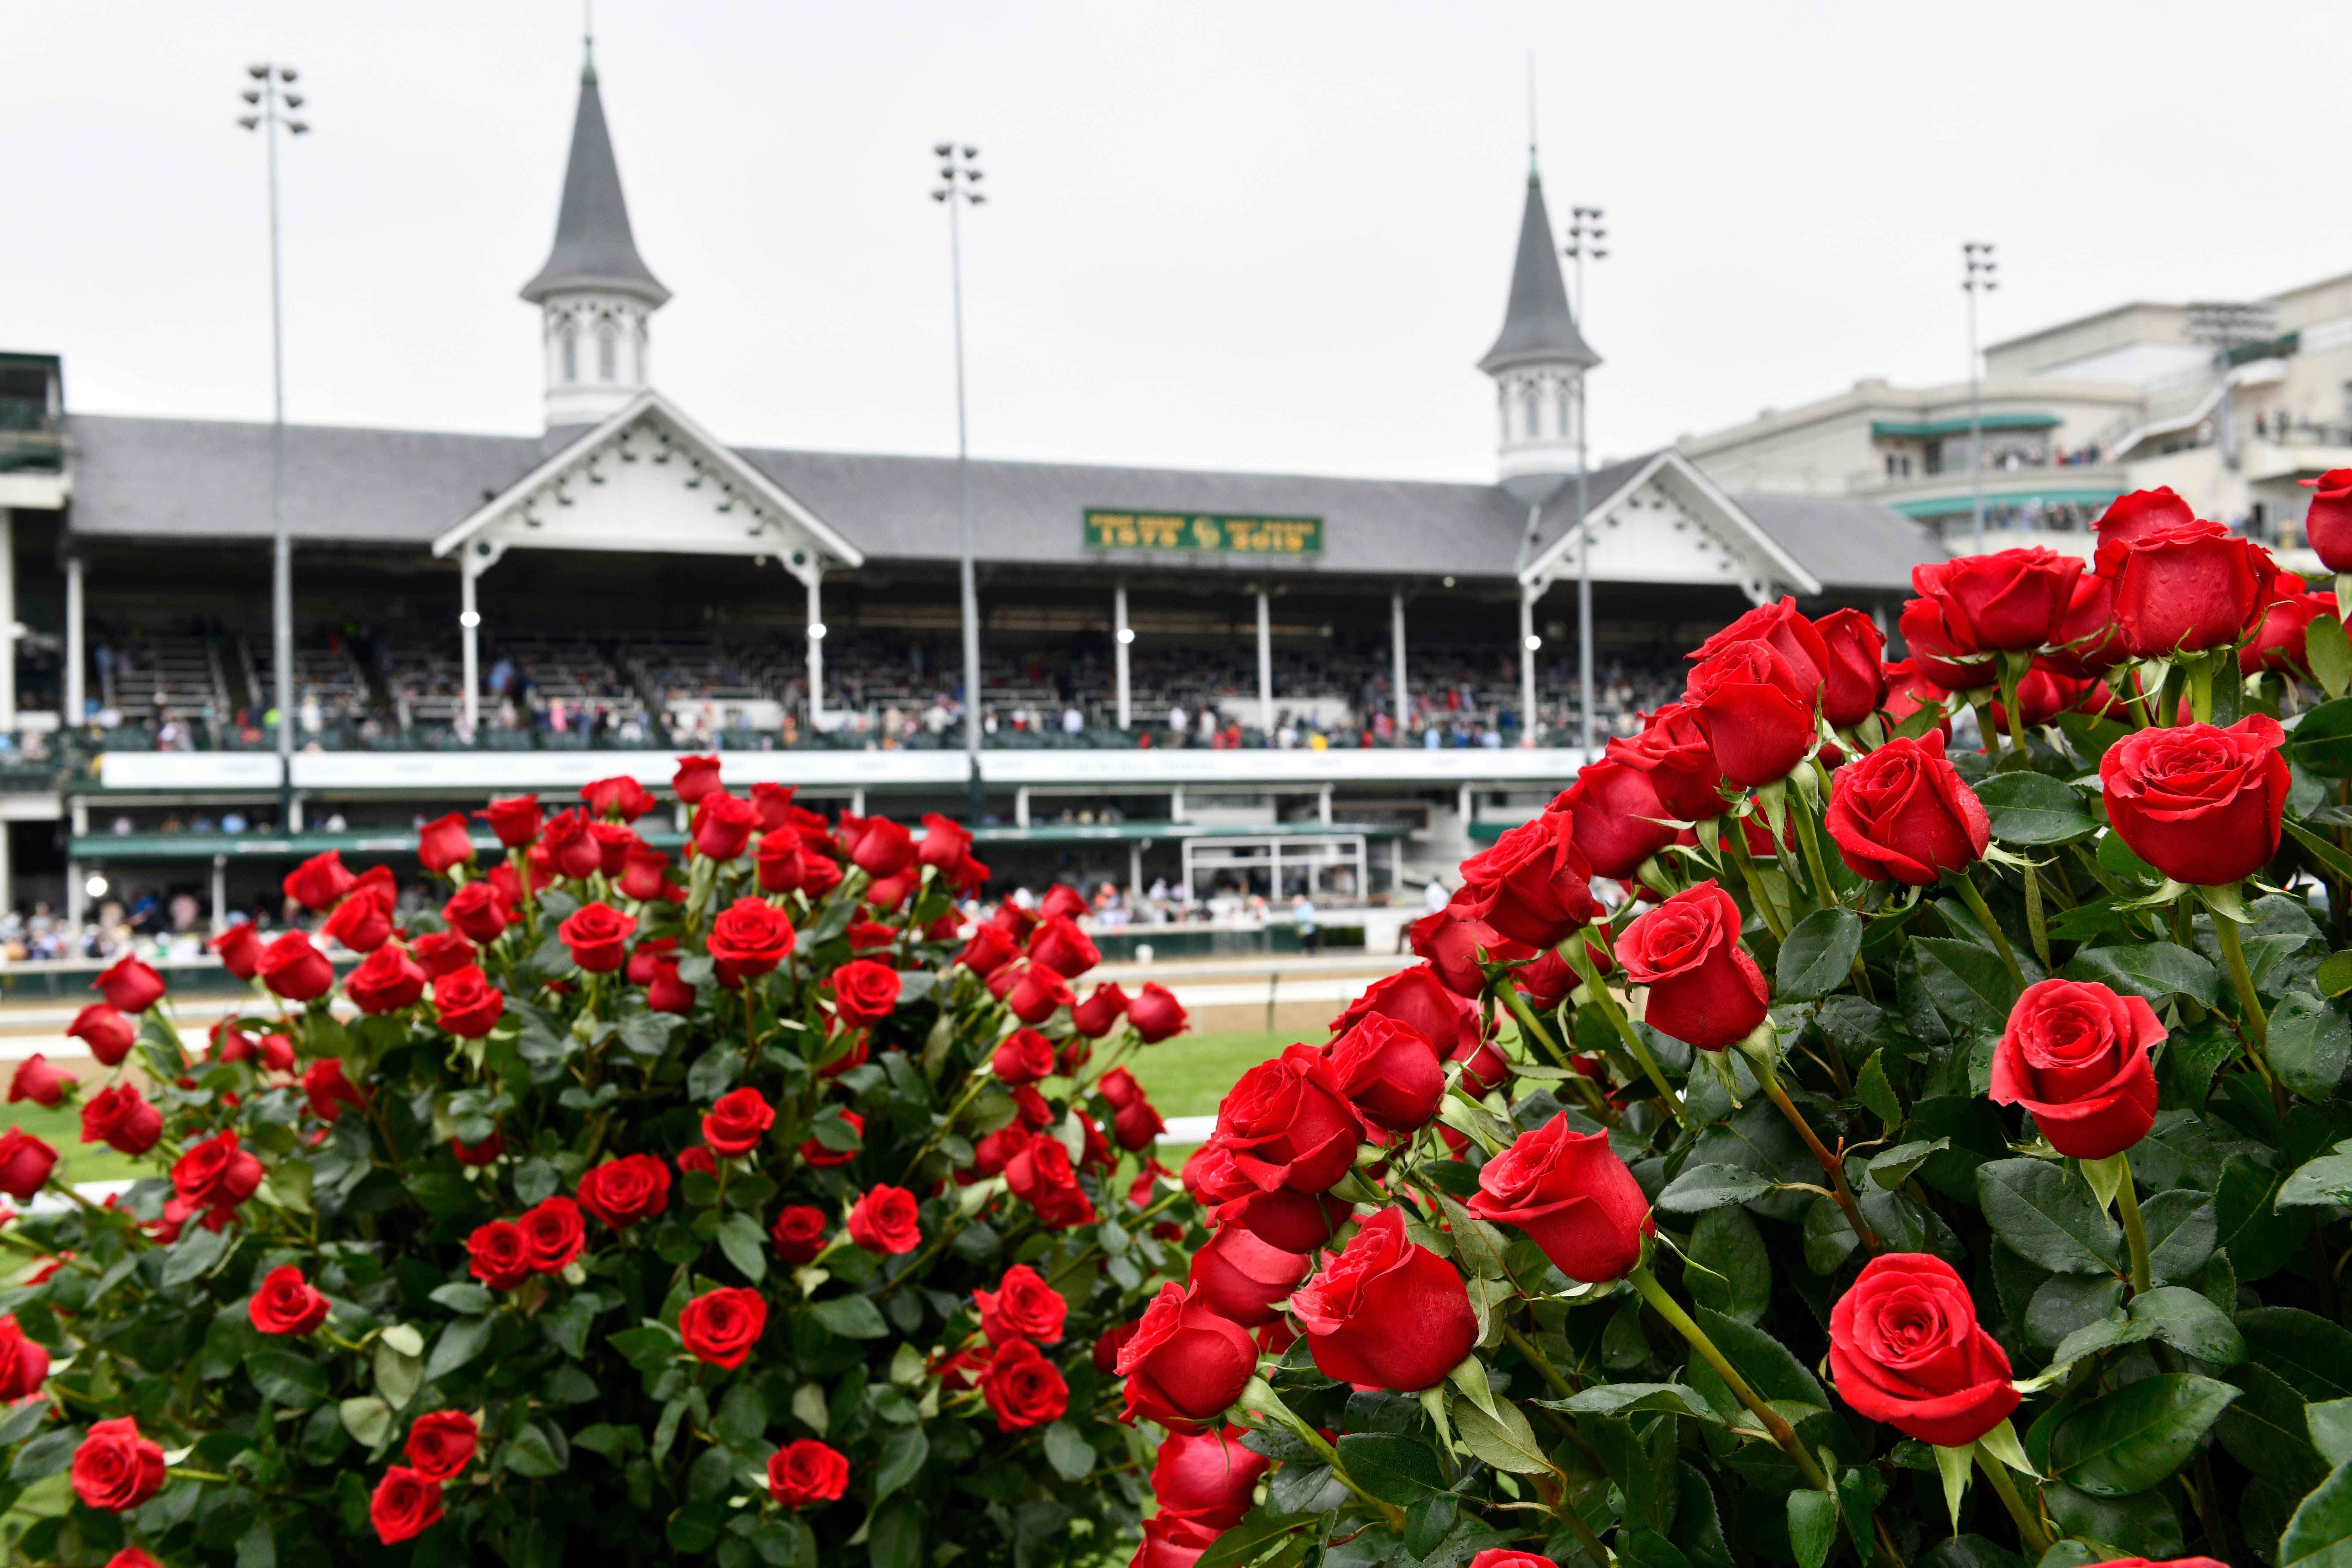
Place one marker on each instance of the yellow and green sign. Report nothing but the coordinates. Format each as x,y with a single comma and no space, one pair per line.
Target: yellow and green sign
1206,532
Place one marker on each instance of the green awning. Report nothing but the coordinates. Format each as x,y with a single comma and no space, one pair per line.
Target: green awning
1881,429
1961,504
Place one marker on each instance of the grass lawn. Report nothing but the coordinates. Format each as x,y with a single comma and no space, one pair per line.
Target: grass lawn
61,1129
1187,1075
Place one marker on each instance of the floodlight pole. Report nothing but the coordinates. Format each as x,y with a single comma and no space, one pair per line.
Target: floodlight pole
1981,267
272,109
1584,233
958,171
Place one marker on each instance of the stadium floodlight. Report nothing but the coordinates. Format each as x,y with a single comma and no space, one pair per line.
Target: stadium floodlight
959,174
1979,277
1584,237
94,886
816,630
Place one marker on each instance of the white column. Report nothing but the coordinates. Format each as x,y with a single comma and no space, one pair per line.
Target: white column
470,637
8,872
1134,877
1323,805
817,644
76,700
1264,665
1400,699
220,894
1120,638
75,901
1527,666
7,620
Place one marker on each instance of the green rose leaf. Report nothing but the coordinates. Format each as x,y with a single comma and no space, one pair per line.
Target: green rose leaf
1703,1187
1390,1466
2129,1440
1818,957
2034,808
2048,1216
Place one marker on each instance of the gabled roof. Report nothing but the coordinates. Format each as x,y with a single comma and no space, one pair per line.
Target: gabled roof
1853,546
593,246
1537,323
1770,563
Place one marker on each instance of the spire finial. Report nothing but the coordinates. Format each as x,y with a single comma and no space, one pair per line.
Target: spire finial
588,43
1533,178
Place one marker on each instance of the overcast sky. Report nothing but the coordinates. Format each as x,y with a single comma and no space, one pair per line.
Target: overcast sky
1262,235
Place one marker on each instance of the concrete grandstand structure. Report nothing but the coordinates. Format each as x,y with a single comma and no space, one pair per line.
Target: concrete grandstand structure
1182,668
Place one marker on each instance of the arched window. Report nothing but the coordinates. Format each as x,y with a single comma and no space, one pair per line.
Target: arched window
571,352
608,350
1534,401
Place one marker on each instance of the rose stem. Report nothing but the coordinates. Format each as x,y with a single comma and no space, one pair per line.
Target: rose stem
2011,706
1642,1279
2127,1210
1541,1362
2200,688
1829,1161
1737,839
1598,990
1975,900
2037,925
1593,1099
2257,1027
2029,1529
1260,1396
1824,890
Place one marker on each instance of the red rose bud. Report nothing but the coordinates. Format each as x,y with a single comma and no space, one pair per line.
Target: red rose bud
389,981
722,826
1547,982
864,991
295,969
1458,943
1107,1345
1389,1072
1013,921
330,1092
2012,600
1535,881
598,936
622,1192
1756,712
1207,1477
734,1126
1136,1125
1903,813
881,848
362,922
2185,589
1704,990
621,798
2142,512
645,874
696,778
496,1257
445,843
1942,654
116,1470
1418,997
1613,813
614,842
1386,1313
1905,1349
665,992
129,987
699,1158
553,1233
1040,1174
1572,1195
799,1235
2327,524
1907,691
1788,634
722,1326
805,1471
1240,1276
122,1118
317,884
773,802
1155,1013
748,939
442,1443
817,1155
946,843
404,1505
24,1164
476,1156
1036,992
1287,1123
571,849
887,1221
1062,901
2200,804
1184,1365
2076,1055
515,819
2041,696
37,1080
778,859
286,1303
1062,947
468,1005
23,1364
1021,1307
477,910
239,948
441,953
1023,1388
2281,645
1853,681
1672,751
1023,1056
2088,642
214,1177
1099,1014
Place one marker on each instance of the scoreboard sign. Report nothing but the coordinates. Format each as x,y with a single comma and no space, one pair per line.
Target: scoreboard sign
1204,532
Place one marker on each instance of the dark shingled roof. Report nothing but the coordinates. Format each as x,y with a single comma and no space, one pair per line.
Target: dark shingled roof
593,246
1537,323
1851,546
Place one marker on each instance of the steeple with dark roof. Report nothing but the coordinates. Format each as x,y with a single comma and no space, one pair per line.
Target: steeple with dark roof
1538,324
593,247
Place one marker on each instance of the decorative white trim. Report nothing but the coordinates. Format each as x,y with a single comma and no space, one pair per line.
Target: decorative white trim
1769,569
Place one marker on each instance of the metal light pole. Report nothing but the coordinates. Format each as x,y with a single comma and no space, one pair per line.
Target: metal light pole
960,171
1979,280
1584,235
272,104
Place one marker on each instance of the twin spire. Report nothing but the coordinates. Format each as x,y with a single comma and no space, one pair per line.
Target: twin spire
1538,325
593,246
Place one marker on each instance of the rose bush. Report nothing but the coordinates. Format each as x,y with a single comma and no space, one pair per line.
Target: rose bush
622,1217
1939,1154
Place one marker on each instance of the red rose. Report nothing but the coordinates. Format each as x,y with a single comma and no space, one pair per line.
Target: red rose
1239,1276
622,1192
1907,691
1062,947
749,939
887,1221
2076,1055
129,987
1040,1174
405,1504
132,1557
805,1471
2011,599
553,1233
598,935
1107,1345
24,1164
515,819
318,883
696,778
665,992
442,1443
571,850
37,1080
1037,993
329,1091
1294,1221
1942,653
1535,881
1756,715
2327,524
2282,643
444,842
1458,942
1132,1119
1418,997
620,797
1704,988
1208,1477
23,1364
1903,813
990,950
1155,1013
777,860
116,1470
473,1157
215,1176
2142,512
122,1118
1904,1349
1287,1123
286,1303
722,1326
295,969
239,948
1573,1195
1853,681
799,1235
2041,696
722,826
734,1125
1673,751
1099,1014
614,842
1173,1541
389,981
362,922
1021,1307
864,992
442,953
468,1005
1024,1056
1790,634
878,846
1614,810
498,1255
1023,1387
1389,1070
477,910
2185,589
2200,804
816,1153
1505,1557
2088,642
645,874
1386,1313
